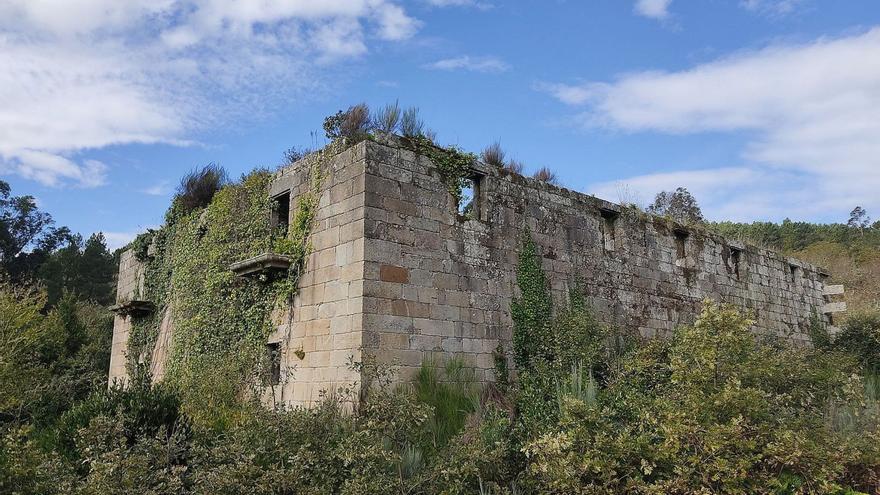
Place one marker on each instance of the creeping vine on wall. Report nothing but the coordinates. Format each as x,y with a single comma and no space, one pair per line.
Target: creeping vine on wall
220,320
452,163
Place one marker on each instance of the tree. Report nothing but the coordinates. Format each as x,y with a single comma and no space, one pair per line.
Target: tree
680,205
27,235
859,219
85,269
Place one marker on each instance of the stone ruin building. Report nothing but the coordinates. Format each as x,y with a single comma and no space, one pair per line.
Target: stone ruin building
397,271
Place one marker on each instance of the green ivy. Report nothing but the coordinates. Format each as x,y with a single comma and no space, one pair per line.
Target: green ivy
532,310
220,321
453,164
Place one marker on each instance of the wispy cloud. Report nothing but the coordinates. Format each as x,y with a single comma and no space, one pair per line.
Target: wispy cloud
474,64
810,111
460,3
161,189
86,74
772,7
655,9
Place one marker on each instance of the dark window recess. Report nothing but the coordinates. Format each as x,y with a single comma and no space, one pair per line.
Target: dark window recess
735,260
609,218
471,204
680,243
281,212
273,363
795,273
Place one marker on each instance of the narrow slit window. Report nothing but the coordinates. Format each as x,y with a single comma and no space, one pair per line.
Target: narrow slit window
281,213
680,243
609,218
795,273
471,204
273,364
735,260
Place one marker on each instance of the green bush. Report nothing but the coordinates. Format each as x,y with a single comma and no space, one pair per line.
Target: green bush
860,336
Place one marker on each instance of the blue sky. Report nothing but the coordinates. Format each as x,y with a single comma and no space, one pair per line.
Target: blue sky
765,109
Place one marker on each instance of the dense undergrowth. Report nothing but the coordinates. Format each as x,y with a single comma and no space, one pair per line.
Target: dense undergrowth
711,410
588,409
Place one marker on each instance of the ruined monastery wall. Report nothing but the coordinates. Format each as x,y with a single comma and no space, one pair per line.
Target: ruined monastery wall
398,273
436,281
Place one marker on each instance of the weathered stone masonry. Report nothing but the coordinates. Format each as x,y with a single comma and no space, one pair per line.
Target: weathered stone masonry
397,272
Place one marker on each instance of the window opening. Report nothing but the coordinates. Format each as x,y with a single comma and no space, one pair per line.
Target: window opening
273,358
281,212
609,218
680,243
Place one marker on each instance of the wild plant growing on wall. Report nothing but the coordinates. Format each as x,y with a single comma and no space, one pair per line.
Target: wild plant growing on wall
532,310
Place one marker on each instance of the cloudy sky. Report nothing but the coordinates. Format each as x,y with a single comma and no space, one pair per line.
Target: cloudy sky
765,109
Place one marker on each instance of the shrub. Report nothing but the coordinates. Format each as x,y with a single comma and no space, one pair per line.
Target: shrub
493,155
387,119
411,125
860,336
453,395
352,125
294,154
515,166
140,409
546,175
198,187
711,410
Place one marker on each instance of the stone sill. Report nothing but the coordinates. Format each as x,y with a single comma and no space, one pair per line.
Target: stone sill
133,308
263,265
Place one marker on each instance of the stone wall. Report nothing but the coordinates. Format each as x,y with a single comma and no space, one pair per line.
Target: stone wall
130,287
322,331
439,282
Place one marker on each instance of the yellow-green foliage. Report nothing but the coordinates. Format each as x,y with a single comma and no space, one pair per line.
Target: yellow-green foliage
712,411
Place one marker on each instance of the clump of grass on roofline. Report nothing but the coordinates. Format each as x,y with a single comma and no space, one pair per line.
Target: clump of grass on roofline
387,119
546,175
411,125
198,187
515,166
493,155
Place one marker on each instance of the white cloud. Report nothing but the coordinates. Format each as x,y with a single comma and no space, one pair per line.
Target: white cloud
161,189
77,75
116,240
772,7
655,9
460,3
809,110
474,64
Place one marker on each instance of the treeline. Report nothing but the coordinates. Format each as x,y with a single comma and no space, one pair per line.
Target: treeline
792,236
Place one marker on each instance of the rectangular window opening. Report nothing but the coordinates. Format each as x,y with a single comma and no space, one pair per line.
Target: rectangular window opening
735,259
281,213
273,364
795,272
609,218
471,204
680,243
